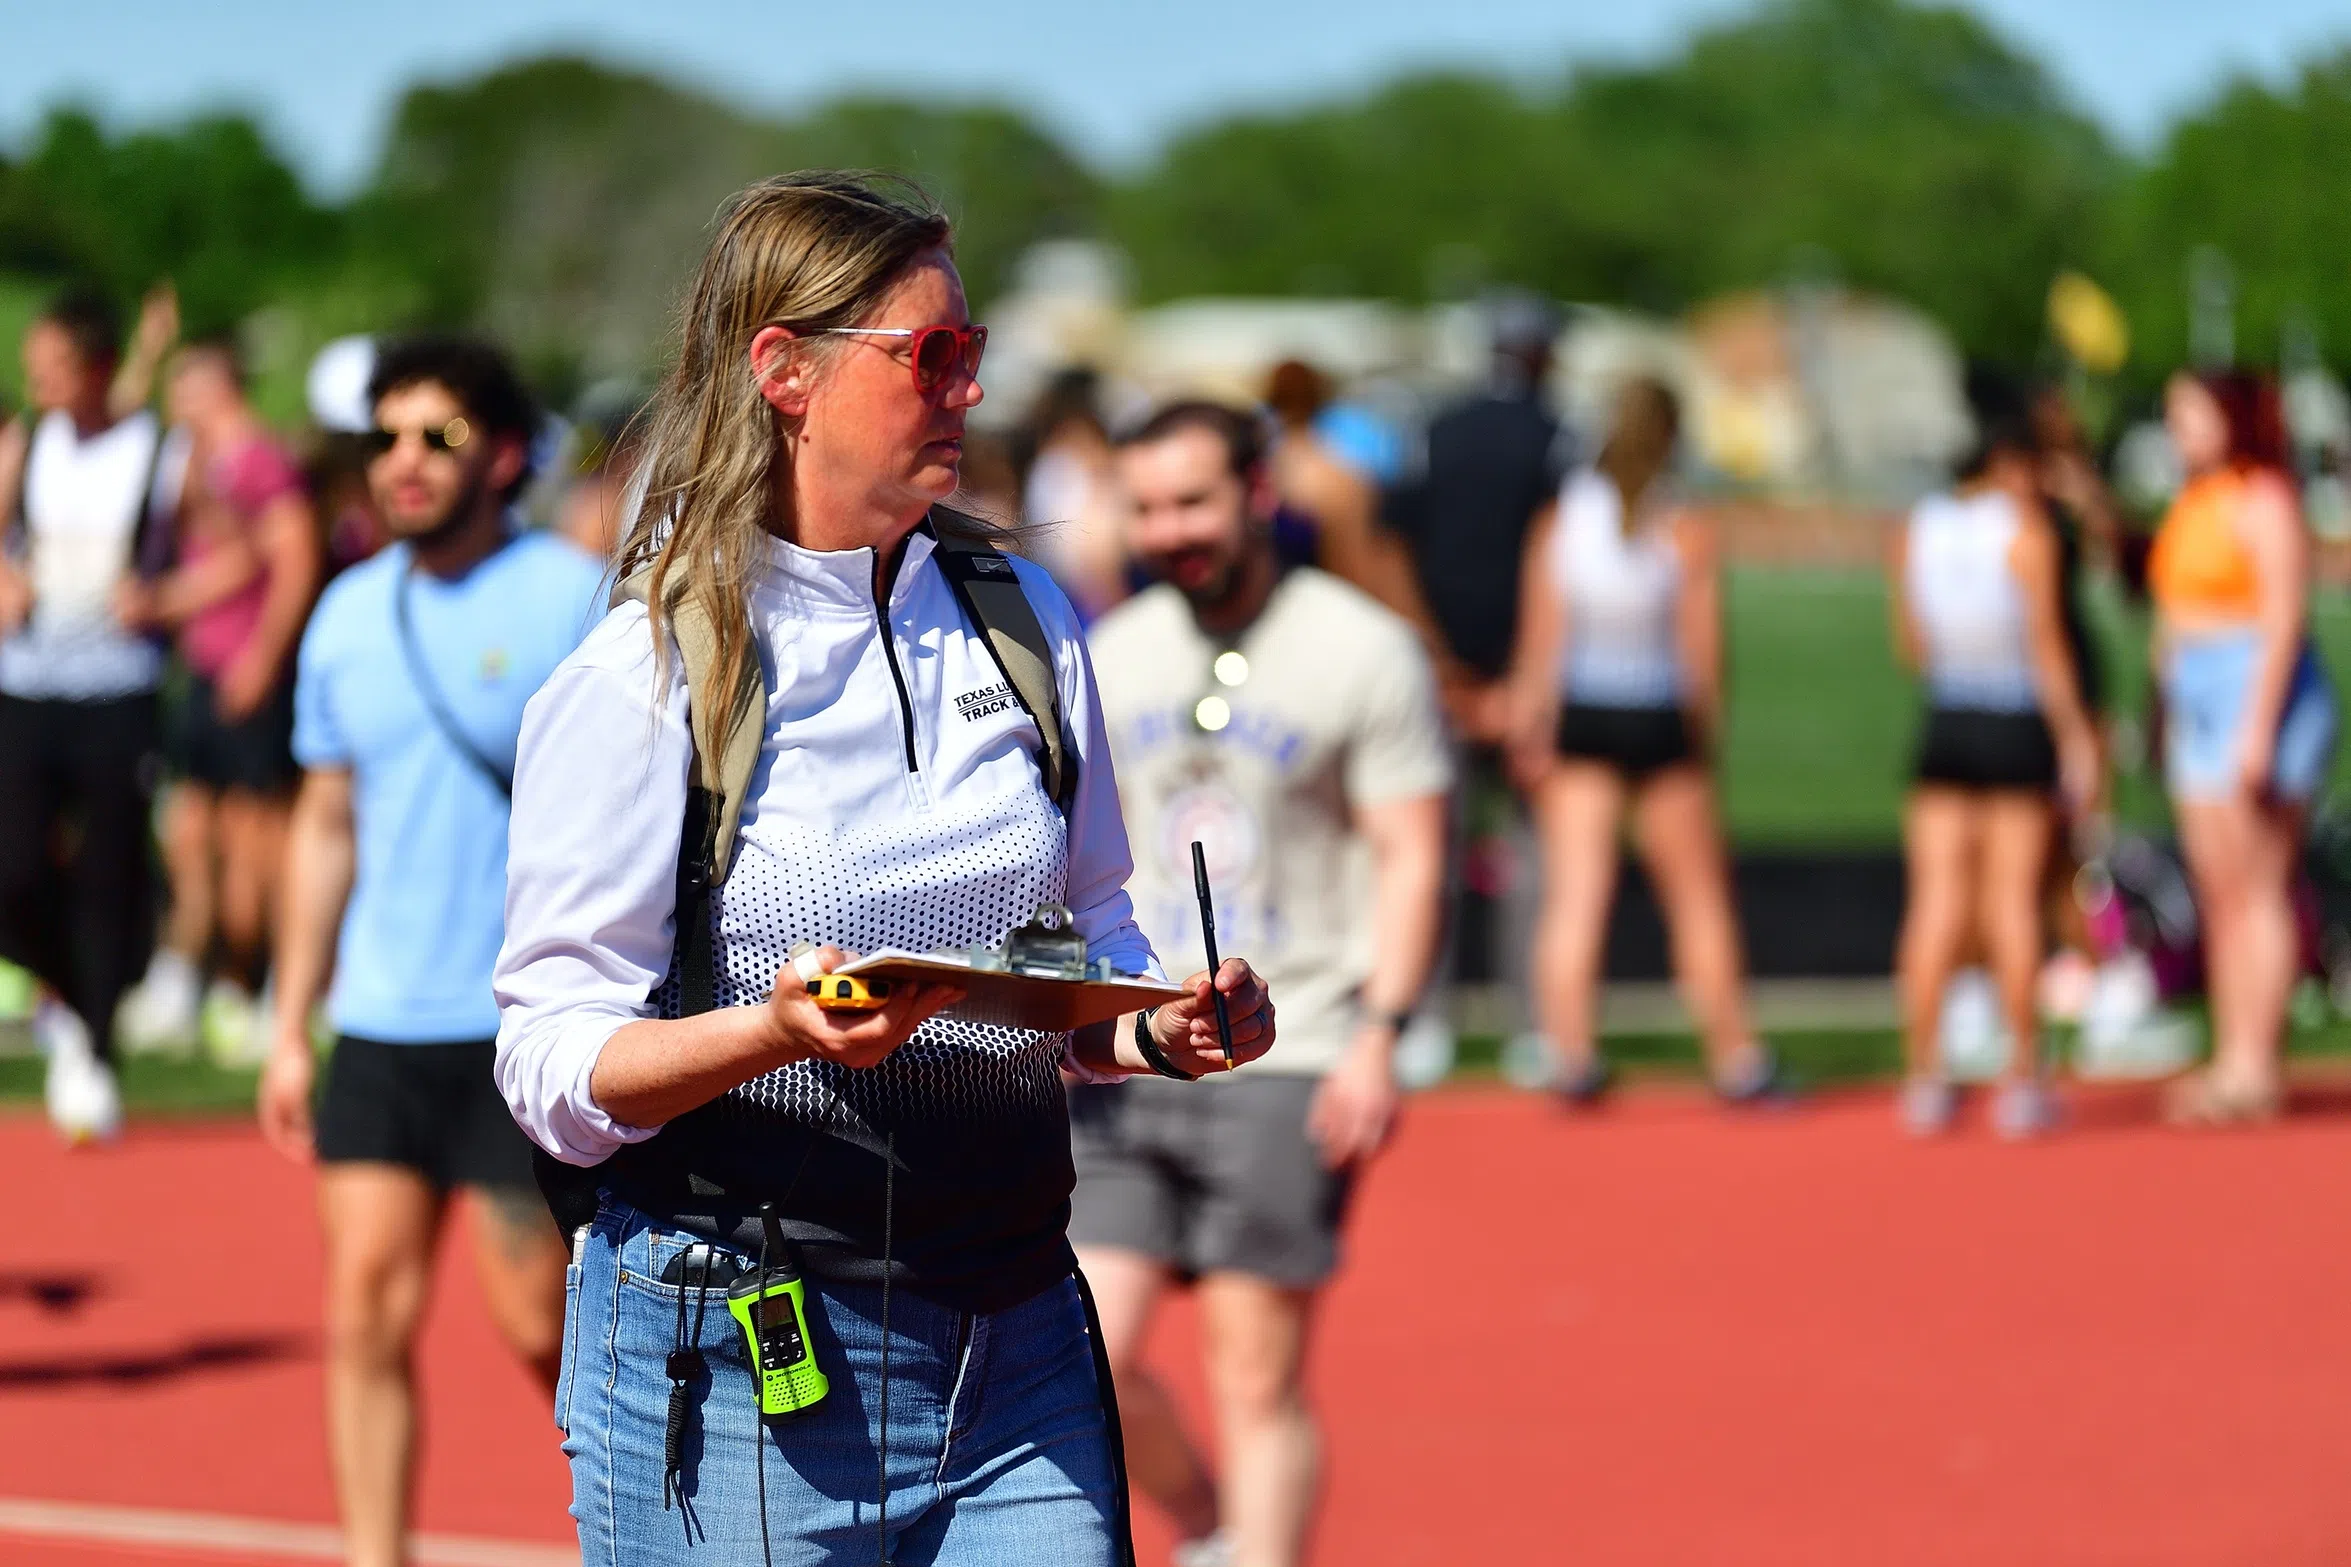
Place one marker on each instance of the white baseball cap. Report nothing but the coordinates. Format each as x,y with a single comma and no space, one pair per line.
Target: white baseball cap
337,385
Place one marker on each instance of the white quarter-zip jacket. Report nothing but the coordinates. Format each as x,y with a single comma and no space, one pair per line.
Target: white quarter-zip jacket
897,802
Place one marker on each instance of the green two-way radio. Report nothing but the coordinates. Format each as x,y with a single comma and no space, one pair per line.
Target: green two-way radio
770,1304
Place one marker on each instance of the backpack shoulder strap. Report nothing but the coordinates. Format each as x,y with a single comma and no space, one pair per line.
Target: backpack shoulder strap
724,774
991,594
154,541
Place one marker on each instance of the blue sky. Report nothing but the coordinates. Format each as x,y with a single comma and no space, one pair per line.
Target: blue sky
1112,75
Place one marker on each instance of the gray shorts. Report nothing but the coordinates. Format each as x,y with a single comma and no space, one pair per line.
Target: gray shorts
1207,1177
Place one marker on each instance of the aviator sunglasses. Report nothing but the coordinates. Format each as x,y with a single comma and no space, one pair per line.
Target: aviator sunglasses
437,438
938,351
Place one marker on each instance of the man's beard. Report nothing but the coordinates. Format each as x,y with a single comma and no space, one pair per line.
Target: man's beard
452,521
1219,590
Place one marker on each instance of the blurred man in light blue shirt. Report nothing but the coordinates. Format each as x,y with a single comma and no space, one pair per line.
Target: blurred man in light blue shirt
407,702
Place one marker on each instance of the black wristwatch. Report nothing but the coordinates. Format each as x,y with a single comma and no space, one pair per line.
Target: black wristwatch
1154,1057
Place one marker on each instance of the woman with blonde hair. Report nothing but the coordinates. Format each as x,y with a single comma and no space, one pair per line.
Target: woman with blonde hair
2250,720
1616,701
656,1030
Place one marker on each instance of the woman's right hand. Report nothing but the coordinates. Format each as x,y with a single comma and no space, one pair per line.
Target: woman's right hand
803,1031
282,1101
2254,758
2081,777
16,599
1530,736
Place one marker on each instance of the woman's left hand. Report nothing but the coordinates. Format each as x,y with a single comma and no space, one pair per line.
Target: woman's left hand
1185,1028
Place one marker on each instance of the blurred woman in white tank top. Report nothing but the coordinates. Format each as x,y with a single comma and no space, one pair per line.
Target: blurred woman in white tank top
1616,701
1977,612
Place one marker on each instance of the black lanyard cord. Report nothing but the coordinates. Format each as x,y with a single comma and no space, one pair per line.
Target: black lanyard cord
684,1365
758,1413
881,1550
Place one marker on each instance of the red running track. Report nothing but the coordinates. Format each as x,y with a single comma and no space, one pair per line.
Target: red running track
1654,1335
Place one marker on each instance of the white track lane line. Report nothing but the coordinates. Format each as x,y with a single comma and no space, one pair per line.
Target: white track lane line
154,1527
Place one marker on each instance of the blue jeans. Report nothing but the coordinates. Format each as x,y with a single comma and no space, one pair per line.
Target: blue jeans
997,1451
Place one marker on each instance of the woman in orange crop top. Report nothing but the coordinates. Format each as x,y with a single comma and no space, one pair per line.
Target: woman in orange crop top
2250,721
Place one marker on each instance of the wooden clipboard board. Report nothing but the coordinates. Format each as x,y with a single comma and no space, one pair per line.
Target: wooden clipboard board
1051,1006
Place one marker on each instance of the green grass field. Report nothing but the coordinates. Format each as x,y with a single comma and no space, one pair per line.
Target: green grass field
1822,717
1821,1057
150,1085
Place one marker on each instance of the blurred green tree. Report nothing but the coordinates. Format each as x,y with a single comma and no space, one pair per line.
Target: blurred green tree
563,204
208,204
1903,147
560,203
2262,175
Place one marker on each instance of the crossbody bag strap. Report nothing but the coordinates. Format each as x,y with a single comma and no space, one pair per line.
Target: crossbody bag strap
422,678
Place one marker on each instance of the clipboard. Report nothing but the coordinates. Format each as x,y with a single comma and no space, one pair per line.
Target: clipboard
1050,1004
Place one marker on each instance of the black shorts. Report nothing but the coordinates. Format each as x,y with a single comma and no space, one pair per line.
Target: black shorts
1215,1177
254,754
433,1108
1636,741
1963,749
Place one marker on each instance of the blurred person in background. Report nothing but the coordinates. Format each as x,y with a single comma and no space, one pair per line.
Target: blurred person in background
1335,499
593,513
1978,602
246,569
335,390
336,478
407,705
2088,527
1067,493
1290,724
77,699
2250,721
990,483
1490,463
1617,706
2089,540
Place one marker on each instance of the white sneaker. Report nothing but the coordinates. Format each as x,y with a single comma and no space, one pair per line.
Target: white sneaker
1529,1062
1973,1035
1424,1053
1927,1105
233,1025
2024,1110
163,1011
1210,1550
85,1104
2155,1046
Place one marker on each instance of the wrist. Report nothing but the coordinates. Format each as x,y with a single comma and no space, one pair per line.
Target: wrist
1151,1049
772,1041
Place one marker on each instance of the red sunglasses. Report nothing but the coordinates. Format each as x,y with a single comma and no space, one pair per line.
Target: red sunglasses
938,351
